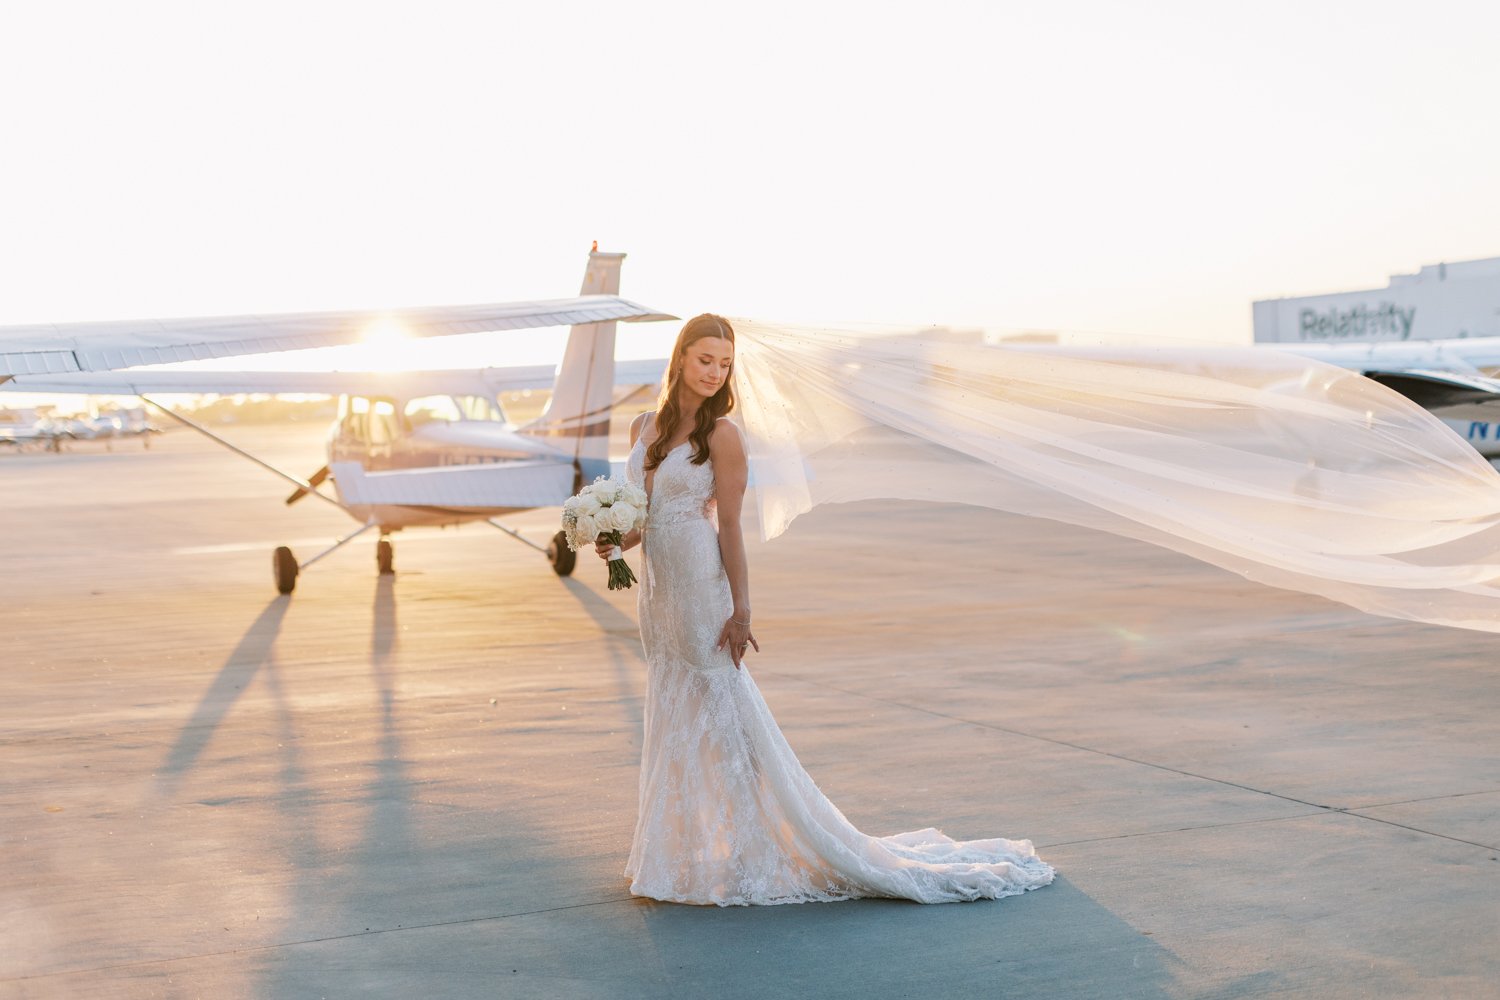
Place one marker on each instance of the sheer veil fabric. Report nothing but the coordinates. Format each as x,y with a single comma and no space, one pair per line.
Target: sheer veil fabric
1288,471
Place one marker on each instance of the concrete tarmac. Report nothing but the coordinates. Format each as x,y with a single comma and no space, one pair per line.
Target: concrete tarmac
424,785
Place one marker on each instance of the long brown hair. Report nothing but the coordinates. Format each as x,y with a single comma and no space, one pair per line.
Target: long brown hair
669,413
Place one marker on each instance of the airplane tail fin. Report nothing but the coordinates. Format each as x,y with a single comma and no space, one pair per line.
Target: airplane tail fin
577,416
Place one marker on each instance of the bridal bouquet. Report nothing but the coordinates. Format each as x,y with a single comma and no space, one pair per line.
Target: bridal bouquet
607,509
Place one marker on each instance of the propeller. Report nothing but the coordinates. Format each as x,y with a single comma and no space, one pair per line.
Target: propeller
315,480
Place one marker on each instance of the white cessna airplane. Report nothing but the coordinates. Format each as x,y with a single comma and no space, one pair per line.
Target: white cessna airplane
409,448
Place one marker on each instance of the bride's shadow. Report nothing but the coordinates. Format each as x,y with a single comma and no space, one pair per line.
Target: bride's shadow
1053,942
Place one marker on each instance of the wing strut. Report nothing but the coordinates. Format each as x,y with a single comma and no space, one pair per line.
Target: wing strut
302,485
512,532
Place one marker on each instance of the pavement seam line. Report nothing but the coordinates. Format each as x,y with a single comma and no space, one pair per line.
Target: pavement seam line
1417,829
1058,742
319,940
1185,829
1425,798
1325,809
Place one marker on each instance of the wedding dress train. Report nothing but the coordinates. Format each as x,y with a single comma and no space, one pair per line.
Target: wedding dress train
727,814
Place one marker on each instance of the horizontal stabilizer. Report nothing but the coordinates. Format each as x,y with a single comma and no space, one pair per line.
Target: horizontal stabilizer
54,348
498,486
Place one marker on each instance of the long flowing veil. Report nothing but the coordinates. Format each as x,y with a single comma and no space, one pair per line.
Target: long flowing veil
1288,471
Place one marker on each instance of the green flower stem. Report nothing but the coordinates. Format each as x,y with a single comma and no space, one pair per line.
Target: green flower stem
620,575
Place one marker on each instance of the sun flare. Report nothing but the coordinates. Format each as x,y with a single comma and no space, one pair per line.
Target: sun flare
386,346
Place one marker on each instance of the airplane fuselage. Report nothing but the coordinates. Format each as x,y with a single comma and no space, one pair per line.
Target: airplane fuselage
1484,437
1476,354
385,434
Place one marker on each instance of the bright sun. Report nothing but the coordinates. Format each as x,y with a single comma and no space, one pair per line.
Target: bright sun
387,347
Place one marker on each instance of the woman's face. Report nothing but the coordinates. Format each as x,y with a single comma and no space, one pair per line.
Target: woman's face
705,365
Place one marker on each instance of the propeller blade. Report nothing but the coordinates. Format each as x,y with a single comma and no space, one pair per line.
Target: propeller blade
315,480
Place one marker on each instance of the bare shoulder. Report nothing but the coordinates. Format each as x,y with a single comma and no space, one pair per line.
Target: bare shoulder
727,439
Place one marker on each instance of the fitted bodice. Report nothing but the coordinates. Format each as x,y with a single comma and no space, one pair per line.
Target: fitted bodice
684,596
680,490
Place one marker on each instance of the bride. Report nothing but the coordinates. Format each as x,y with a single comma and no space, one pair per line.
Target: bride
727,814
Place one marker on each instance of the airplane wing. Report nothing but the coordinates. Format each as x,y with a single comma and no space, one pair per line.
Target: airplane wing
49,349
484,487
1450,395
401,385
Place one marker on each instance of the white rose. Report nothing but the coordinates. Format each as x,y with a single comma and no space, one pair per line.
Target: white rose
587,528
588,504
622,516
605,490
635,495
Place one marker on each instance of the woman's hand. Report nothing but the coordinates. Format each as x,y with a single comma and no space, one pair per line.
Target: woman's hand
628,540
736,636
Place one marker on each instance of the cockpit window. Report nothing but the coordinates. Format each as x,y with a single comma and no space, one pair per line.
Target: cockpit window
480,408
430,409
354,418
382,421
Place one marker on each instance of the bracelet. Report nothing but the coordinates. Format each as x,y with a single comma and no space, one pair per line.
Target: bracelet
738,622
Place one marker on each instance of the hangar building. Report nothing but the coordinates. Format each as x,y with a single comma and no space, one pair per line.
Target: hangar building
1439,302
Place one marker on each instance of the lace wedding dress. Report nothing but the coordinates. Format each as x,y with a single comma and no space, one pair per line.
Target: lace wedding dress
727,814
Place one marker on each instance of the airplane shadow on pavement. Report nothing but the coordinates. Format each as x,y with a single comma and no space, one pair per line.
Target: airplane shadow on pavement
253,652
624,645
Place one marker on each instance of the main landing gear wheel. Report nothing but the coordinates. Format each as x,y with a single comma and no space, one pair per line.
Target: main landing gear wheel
563,559
385,556
284,567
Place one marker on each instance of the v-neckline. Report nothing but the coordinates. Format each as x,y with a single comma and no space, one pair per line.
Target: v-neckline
649,475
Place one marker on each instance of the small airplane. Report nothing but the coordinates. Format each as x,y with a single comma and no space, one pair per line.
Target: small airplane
1446,377
23,427
408,448
109,426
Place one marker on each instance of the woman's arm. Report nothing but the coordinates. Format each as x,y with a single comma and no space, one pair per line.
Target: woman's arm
726,450
631,538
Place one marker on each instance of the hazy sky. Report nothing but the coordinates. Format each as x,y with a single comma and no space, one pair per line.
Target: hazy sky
1148,167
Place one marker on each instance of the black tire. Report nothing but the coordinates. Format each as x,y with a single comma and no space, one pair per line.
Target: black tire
284,569
563,559
385,557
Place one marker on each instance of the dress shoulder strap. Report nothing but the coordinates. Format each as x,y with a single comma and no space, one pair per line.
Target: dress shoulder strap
646,424
738,430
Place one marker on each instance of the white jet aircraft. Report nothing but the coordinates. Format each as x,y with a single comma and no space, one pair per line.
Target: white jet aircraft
409,448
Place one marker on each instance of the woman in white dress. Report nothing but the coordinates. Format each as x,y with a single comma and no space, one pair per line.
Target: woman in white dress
727,814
